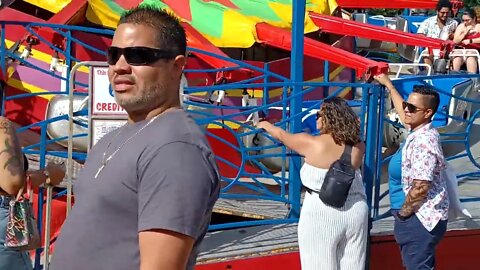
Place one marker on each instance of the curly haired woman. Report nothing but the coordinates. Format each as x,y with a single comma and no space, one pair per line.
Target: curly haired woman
329,237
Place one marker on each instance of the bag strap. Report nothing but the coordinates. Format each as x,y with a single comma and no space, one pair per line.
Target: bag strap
28,187
20,193
347,153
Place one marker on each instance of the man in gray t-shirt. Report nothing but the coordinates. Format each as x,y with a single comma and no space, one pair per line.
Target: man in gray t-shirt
145,196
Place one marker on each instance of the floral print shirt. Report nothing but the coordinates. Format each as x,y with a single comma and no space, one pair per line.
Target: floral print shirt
422,159
430,28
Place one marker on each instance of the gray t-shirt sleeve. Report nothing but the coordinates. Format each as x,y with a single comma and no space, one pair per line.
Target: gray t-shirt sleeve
175,190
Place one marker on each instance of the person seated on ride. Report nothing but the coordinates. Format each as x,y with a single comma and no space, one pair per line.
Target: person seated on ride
467,36
440,26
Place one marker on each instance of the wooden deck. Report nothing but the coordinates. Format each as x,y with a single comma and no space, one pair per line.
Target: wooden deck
257,241
274,239
266,240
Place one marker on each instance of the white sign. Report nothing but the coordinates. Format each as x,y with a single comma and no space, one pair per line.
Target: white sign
100,127
103,102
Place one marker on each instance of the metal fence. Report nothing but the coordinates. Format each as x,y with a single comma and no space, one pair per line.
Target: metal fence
256,161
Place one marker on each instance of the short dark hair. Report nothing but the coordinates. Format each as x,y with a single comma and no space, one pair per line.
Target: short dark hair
444,4
470,13
25,163
433,98
340,121
170,33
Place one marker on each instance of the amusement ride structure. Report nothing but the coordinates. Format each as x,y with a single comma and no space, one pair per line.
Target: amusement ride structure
274,59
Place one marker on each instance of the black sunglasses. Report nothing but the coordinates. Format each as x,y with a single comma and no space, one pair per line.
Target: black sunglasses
412,108
137,56
318,115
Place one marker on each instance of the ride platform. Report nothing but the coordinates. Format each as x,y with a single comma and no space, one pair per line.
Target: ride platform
276,247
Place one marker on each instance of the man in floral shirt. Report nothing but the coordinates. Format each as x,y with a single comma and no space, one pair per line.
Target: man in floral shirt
422,221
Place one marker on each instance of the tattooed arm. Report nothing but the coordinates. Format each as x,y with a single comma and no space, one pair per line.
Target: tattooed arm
415,198
12,176
424,157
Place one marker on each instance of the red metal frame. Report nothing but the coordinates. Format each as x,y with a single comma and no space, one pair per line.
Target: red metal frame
342,26
422,4
280,38
267,34
338,25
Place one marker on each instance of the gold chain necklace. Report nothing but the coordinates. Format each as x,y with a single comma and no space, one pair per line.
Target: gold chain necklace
105,160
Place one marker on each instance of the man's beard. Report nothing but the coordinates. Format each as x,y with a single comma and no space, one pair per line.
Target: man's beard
145,100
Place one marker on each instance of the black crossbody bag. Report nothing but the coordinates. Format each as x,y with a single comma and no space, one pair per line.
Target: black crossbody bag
338,180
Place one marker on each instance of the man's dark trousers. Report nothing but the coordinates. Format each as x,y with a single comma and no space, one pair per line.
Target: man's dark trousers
417,244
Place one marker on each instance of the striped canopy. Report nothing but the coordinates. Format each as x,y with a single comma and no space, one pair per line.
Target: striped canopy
225,23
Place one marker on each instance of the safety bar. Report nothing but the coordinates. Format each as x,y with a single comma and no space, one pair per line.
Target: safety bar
402,66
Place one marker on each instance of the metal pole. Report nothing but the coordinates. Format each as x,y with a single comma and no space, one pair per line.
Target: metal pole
326,78
379,143
266,96
71,86
48,219
371,143
296,71
372,146
40,203
3,64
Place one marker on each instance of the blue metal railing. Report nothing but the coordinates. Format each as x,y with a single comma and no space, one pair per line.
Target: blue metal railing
236,114
293,110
